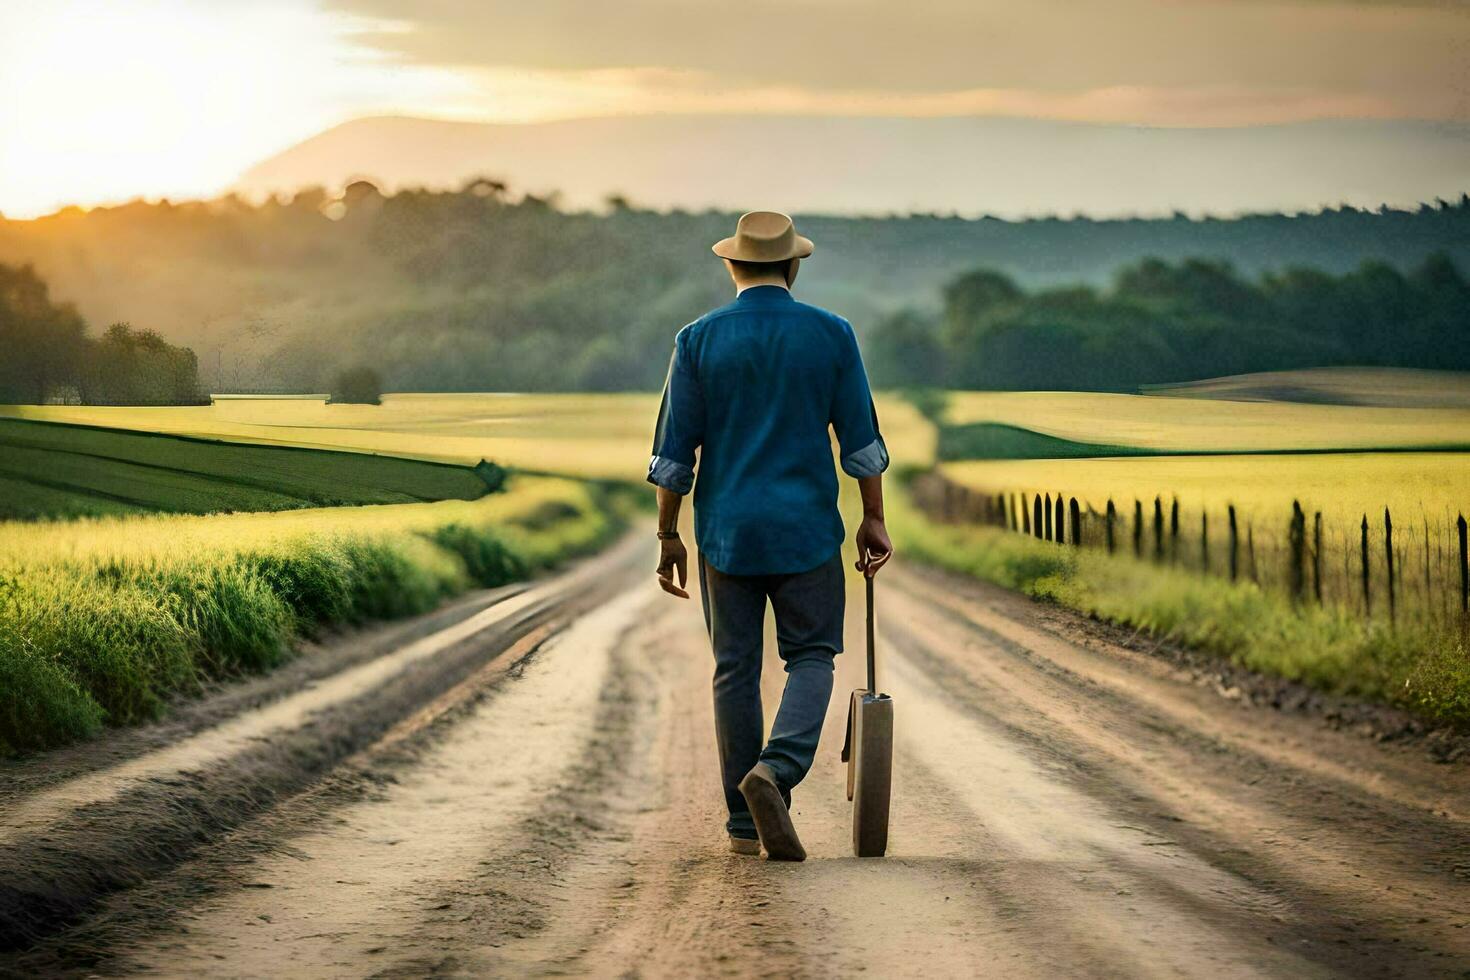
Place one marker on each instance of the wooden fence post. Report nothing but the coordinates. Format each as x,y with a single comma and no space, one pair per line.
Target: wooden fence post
1297,538
1137,528
1174,531
1158,529
1464,568
1112,518
1234,546
1076,523
1036,514
1317,555
1046,516
1250,551
1061,522
1388,550
1204,540
1367,575
1025,516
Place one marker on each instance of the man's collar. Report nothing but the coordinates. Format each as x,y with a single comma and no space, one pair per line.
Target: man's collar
764,289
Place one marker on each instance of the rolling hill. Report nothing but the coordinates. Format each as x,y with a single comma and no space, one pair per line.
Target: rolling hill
854,165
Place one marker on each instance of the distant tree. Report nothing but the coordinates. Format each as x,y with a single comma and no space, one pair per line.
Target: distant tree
904,350
359,191
486,187
971,303
41,342
358,386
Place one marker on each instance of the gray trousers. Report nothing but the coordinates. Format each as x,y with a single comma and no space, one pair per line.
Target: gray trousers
809,609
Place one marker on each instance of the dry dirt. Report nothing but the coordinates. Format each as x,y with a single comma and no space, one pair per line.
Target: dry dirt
1063,805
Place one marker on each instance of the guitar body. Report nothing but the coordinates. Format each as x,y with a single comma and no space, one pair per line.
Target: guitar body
870,772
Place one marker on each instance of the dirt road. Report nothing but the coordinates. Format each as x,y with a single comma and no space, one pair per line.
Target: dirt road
544,801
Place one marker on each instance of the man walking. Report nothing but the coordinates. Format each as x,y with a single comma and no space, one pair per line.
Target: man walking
753,387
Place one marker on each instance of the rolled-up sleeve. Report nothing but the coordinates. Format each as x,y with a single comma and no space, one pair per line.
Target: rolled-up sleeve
854,417
680,429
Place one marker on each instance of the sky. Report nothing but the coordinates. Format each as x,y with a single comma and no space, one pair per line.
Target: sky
104,101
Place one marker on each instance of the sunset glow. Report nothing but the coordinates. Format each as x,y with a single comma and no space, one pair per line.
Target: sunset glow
105,102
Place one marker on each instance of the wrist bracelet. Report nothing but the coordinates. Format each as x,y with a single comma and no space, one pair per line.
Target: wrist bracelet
668,535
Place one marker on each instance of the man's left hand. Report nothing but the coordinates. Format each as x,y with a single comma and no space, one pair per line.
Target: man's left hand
874,548
673,558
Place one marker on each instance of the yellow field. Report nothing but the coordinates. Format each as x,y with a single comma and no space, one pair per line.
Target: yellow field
1210,424
602,436
1344,486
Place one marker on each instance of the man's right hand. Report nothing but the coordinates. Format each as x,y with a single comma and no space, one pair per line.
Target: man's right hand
673,557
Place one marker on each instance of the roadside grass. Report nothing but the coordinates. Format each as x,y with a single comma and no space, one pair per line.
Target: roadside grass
104,621
50,470
1422,669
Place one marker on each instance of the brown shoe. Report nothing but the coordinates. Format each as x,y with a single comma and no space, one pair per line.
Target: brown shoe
772,819
745,846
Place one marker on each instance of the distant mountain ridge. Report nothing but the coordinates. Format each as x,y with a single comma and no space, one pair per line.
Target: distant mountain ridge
856,165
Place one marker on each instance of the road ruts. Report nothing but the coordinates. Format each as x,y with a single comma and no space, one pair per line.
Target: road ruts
1063,806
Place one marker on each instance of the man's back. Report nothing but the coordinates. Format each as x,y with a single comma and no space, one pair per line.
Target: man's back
755,384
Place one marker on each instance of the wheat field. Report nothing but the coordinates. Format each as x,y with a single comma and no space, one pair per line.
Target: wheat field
1179,424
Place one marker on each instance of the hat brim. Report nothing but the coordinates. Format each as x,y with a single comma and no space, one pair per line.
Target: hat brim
729,248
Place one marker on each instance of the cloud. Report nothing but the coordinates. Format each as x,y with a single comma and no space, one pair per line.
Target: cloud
516,95
1380,57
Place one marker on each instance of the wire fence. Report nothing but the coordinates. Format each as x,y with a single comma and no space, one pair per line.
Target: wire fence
1384,565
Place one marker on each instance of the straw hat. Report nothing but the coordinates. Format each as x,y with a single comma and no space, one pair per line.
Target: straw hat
763,236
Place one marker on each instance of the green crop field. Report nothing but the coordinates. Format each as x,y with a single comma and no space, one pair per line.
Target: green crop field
49,470
594,436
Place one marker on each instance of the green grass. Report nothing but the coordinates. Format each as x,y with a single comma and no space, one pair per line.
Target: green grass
1421,668
50,470
106,621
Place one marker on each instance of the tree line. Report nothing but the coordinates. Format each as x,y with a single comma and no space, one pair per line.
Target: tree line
1160,322
478,288
48,355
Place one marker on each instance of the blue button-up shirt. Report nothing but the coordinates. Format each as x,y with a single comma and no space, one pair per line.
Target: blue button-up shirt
753,387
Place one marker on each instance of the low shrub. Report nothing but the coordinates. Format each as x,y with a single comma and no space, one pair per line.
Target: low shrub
107,620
